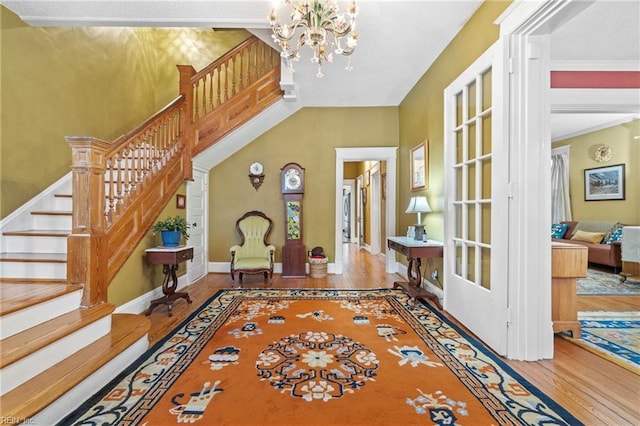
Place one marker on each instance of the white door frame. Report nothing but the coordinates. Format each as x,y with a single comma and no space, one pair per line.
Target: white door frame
375,209
343,155
527,25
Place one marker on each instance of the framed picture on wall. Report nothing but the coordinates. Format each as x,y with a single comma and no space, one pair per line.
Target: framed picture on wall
181,201
418,162
604,183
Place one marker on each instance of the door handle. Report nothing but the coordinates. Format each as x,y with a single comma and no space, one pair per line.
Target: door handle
194,224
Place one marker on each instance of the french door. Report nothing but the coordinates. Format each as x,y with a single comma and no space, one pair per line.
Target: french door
476,200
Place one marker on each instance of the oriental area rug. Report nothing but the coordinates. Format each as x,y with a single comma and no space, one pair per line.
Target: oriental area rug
318,357
604,283
614,336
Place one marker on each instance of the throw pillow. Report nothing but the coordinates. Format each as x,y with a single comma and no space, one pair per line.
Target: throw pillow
615,228
616,236
559,229
588,237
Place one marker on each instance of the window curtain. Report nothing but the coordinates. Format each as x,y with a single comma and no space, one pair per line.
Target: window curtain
560,201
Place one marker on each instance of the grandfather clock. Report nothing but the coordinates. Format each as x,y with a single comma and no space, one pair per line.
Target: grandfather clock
294,256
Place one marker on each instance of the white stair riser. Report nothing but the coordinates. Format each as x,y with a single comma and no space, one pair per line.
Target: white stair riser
62,407
56,222
33,244
35,270
15,374
64,204
23,319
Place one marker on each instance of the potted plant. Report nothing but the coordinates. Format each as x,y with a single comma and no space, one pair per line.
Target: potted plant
171,230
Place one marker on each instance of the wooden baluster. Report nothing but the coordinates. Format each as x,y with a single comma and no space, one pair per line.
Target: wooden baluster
211,88
219,91
241,81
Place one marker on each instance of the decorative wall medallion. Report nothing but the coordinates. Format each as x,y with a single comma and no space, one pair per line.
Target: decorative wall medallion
603,154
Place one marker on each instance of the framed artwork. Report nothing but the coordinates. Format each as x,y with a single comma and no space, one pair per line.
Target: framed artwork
181,201
604,183
418,164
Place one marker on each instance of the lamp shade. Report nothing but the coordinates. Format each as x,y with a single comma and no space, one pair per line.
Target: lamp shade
418,205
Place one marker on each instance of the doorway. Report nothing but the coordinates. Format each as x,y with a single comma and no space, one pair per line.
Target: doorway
343,155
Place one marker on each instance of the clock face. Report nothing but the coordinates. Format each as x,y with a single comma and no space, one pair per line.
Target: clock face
256,168
292,179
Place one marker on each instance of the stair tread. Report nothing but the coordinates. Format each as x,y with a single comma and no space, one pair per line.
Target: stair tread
34,257
15,296
39,233
52,212
33,339
36,394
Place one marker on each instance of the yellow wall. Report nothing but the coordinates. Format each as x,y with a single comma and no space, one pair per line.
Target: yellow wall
85,63
422,118
625,150
308,138
136,277
59,81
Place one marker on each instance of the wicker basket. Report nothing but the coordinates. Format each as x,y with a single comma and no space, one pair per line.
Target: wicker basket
318,267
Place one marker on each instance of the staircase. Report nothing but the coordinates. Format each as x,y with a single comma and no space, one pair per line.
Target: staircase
60,338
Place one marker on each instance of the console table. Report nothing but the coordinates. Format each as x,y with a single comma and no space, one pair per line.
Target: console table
568,262
415,250
169,258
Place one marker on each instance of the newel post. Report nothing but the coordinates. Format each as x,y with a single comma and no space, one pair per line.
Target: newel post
87,256
186,119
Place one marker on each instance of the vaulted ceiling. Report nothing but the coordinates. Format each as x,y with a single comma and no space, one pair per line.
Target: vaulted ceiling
398,41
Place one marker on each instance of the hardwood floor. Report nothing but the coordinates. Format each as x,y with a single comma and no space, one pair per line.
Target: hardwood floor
594,390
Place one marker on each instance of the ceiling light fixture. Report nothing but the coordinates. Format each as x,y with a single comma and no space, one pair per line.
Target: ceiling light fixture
318,25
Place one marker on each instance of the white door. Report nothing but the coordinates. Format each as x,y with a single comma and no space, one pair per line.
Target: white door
476,200
196,215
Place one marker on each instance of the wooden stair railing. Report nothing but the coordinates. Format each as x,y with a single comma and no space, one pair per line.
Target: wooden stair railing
120,188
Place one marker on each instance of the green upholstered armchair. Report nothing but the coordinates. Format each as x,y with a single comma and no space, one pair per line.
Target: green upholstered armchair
254,254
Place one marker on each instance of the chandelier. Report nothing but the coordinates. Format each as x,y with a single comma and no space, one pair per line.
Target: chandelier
318,25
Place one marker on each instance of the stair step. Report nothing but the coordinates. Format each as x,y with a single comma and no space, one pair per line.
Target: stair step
27,354
25,305
51,213
35,240
35,338
16,295
54,393
34,257
51,219
39,233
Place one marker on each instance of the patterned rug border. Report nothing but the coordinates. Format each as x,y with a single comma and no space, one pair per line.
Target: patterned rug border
630,287
603,315
309,293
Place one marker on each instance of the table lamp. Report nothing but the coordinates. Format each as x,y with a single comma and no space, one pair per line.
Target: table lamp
419,205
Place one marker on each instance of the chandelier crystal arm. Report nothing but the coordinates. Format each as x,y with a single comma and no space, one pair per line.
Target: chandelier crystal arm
319,26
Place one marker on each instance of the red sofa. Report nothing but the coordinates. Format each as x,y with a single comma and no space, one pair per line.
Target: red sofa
600,253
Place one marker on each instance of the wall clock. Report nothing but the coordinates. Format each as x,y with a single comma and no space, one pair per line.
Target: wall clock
256,174
294,255
603,154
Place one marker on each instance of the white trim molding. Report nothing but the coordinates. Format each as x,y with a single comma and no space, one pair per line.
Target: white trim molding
343,155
